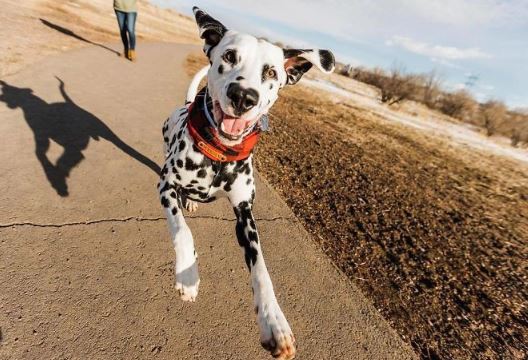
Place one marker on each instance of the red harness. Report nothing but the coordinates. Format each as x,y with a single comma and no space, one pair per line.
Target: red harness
206,138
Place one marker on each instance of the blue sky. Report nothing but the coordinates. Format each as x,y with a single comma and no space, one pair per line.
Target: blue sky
459,38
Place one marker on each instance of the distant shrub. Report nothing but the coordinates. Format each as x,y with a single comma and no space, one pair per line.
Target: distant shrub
493,112
396,86
459,104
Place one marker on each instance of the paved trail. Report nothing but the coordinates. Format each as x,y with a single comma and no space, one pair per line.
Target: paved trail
86,265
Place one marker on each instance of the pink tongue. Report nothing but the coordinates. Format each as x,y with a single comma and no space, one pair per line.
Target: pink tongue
234,126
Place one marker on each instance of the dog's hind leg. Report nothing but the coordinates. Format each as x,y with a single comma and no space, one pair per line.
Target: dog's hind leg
186,265
275,333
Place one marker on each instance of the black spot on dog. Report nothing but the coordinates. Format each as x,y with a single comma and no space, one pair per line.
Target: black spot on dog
182,146
178,177
164,188
220,69
172,141
174,210
194,181
179,163
164,202
201,188
240,78
180,134
190,165
252,235
201,173
271,86
250,253
327,59
248,181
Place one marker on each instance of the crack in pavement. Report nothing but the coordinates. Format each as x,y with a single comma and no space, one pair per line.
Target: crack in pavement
131,218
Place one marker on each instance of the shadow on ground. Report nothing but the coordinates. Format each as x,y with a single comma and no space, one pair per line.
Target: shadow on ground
68,32
68,125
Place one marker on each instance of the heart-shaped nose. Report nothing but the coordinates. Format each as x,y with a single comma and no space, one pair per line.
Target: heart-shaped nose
241,98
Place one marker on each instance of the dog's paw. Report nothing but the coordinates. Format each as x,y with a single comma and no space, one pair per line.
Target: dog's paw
187,293
187,283
275,333
190,205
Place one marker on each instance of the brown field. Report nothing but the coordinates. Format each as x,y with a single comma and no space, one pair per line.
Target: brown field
438,243
435,235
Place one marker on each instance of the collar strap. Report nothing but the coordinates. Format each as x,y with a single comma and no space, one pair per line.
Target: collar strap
205,137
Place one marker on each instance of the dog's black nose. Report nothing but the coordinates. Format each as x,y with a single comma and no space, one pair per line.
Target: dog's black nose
241,98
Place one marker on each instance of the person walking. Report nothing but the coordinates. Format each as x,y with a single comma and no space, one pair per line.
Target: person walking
126,13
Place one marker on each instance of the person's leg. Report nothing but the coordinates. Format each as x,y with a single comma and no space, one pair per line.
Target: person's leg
121,21
131,28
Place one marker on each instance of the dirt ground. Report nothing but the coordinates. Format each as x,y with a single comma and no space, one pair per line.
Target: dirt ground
436,239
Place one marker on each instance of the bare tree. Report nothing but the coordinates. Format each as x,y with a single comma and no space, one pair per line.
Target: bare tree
396,86
432,83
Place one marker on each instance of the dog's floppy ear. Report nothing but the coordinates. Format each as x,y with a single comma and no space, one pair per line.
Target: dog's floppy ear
298,61
211,30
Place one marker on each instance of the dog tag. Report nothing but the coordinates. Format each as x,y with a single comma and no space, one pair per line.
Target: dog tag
264,124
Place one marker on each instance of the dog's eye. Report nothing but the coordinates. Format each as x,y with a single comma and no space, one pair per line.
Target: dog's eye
230,57
271,74
268,73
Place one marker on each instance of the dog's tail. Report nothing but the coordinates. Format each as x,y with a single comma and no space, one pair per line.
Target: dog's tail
193,88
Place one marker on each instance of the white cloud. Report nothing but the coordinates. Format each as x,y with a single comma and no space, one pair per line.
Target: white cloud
436,51
446,63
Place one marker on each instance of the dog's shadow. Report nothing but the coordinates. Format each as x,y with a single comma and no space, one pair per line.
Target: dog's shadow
68,125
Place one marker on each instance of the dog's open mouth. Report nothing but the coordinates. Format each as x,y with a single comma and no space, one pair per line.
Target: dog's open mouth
229,126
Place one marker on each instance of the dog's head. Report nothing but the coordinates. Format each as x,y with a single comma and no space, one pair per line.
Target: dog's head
247,73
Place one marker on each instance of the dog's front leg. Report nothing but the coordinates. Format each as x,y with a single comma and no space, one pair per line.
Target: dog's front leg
186,266
275,333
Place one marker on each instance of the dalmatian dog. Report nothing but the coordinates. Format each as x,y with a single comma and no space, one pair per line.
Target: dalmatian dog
243,80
